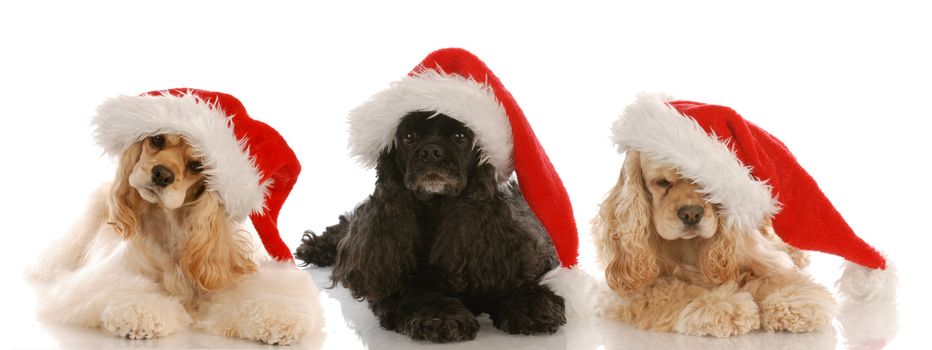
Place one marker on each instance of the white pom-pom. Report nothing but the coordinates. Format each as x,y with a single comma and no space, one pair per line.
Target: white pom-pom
577,289
860,283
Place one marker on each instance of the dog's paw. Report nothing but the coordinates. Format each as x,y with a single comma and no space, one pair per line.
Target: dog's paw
281,330
142,320
316,250
440,326
275,321
539,312
797,310
720,313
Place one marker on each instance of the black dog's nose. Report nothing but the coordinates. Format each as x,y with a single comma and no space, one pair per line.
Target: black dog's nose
690,214
161,176
432,153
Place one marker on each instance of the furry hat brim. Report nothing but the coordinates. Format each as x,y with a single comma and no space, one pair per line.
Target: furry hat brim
658,130
373,124
230,171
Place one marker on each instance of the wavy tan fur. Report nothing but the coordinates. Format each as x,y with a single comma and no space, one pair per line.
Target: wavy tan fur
624,233
212,257
125,204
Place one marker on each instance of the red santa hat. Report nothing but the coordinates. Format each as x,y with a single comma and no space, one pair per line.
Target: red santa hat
752,176
246,162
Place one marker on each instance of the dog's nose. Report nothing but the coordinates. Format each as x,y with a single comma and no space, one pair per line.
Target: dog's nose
432,153
690,214
161,176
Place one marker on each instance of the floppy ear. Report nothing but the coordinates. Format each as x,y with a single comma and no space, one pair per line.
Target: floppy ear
377,257
125,204
718,258
482,185
389,176
623,231
214,255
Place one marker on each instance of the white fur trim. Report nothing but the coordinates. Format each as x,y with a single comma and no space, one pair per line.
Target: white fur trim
230,171
656,129
373,124
859,283
579,290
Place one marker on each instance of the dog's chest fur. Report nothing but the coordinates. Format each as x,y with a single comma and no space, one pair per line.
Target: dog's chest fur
484,248
163,235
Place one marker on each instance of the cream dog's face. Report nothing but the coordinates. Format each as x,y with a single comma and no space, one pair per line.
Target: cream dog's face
679,209
168,171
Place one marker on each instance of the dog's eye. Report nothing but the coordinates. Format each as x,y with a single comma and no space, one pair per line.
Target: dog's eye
459,138
195,166
157,141
409,138
663,183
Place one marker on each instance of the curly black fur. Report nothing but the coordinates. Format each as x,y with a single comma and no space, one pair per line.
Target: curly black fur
439,242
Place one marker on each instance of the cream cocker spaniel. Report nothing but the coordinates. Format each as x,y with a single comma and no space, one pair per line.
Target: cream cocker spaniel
156,252
675,265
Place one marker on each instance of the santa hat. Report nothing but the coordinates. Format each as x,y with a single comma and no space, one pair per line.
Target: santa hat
752,176
246,162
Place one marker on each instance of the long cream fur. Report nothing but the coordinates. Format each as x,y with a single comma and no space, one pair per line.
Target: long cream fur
138,270
729,284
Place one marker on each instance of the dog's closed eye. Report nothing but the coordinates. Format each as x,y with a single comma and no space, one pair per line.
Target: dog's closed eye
195,166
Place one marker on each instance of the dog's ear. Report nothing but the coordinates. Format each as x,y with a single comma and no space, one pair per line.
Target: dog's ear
378,254
623,231
482,183
718,256
125,204
214,255
389,175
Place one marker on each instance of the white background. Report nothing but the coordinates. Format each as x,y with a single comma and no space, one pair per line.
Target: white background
846,85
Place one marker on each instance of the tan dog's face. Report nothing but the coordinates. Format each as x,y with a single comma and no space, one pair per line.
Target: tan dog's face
679,210
167,172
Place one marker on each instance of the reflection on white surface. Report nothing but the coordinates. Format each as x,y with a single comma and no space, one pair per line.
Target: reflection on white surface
350,325
624,337
594,333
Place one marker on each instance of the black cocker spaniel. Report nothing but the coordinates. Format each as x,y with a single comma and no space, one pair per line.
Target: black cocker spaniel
440,241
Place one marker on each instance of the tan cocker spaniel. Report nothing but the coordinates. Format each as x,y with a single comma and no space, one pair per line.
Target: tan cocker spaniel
675,265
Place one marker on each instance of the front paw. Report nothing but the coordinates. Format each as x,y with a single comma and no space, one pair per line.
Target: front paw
316,250
797,310
144,320
721,313
441,326
276,322
281,329
539,311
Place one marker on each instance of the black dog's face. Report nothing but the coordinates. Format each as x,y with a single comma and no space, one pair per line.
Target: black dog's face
436,153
